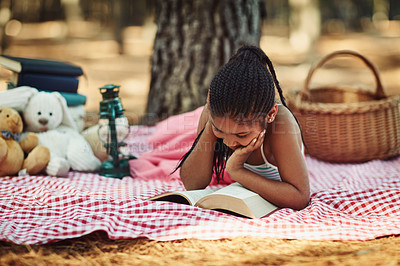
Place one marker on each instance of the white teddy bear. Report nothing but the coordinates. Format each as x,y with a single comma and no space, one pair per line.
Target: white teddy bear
78,114
47,115
67,146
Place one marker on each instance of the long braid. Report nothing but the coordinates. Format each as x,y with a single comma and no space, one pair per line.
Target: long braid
278,87
183,159
283,100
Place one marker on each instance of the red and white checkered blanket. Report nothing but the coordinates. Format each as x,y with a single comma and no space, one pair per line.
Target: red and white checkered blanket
349,202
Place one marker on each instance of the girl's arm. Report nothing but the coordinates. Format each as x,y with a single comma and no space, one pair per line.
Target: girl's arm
196,170
293,191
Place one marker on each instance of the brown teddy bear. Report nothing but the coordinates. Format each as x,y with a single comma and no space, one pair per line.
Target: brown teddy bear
12,150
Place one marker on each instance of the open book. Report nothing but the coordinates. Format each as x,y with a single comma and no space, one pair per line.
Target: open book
233,199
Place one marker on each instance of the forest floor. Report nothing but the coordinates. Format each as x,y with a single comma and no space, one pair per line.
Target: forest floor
103,64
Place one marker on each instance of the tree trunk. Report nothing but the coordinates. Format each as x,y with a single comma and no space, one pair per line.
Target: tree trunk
194,38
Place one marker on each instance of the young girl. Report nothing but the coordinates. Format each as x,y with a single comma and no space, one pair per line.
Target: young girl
244,131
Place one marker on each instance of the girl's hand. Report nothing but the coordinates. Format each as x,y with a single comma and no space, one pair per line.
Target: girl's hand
240,155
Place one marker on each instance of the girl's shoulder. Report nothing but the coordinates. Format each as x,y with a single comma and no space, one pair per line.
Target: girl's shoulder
285,130
285,120
283,137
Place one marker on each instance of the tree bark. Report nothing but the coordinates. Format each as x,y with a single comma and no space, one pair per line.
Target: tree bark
194,38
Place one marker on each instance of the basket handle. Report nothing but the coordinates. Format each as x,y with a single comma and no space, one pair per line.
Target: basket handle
379,93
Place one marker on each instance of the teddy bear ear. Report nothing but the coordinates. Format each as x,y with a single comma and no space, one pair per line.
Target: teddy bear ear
67,118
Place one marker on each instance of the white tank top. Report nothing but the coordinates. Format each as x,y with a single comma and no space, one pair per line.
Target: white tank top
266,169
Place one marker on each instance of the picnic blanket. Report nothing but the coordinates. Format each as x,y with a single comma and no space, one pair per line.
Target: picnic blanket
348,201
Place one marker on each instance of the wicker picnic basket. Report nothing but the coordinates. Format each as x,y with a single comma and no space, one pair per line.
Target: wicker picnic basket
346,123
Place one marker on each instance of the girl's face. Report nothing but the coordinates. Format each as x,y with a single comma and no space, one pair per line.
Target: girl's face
234,134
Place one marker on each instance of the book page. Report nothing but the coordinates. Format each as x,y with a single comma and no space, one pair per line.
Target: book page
237,199
259,206
235,190
195,195
10,64
185,197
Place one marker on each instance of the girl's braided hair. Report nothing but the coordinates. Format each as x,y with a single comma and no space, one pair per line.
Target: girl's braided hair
245,86
244,90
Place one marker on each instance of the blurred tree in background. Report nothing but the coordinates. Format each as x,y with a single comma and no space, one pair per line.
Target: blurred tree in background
193,39
324,15
116,14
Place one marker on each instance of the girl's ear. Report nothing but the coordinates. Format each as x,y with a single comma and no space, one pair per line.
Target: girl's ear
272,114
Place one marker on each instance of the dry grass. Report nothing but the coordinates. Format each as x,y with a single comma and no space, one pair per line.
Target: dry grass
97,249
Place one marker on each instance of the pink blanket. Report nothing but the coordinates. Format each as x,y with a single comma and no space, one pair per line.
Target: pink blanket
349,201
171,139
